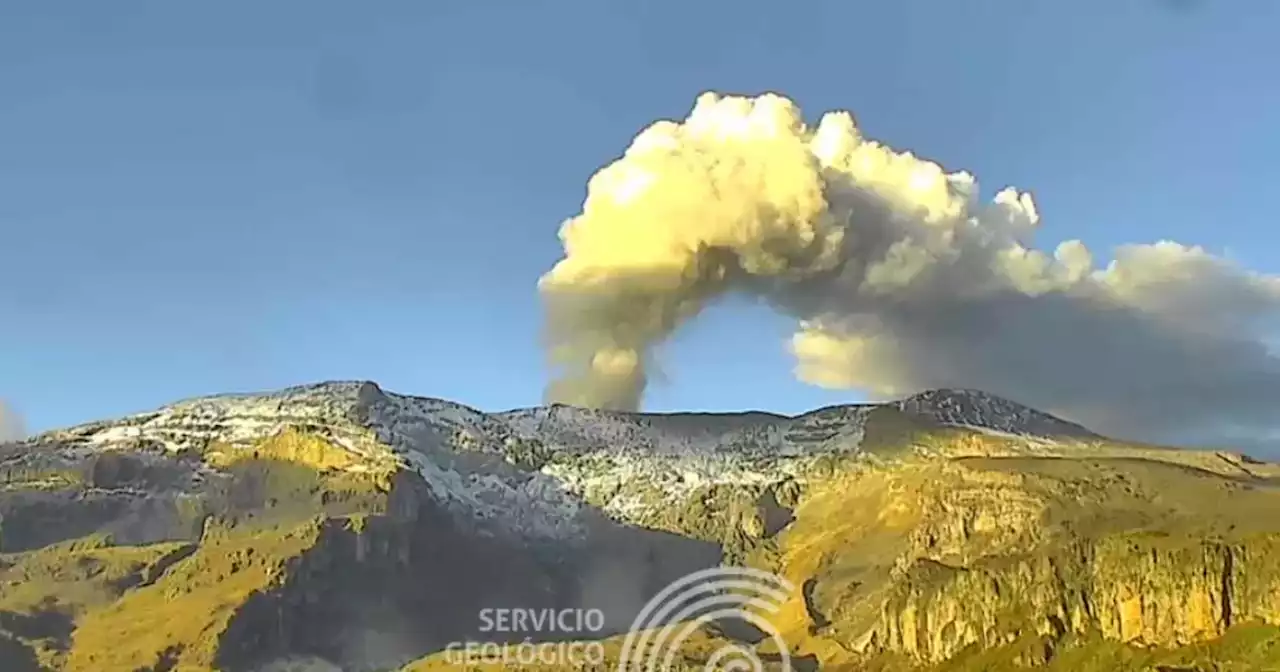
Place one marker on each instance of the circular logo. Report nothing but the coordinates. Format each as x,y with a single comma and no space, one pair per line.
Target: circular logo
687,604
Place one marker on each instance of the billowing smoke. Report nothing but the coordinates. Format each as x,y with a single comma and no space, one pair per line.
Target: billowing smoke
11,426
900,278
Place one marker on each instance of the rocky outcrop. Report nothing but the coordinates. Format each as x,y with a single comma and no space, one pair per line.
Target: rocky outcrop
1002,555
1133,591
342,525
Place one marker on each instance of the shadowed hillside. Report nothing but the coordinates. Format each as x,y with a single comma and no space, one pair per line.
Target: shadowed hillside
339,526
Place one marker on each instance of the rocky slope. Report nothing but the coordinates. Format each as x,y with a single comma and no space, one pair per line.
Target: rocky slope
339,526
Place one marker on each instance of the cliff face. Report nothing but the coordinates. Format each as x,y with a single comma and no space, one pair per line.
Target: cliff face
342,527
1037,554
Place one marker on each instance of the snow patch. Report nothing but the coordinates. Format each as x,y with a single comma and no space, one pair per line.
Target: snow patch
466,457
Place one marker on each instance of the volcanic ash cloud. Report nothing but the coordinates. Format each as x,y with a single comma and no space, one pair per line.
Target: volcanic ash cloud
900,279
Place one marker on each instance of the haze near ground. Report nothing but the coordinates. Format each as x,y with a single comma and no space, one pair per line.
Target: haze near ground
11,424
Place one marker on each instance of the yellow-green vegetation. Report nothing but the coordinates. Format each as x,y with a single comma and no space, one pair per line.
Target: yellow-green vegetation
1248,647
42,593
296,474
175,622
939,550
39,476
958,551
98,606
308,449
1028,559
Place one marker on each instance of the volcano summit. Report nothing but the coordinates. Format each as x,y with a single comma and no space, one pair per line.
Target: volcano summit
345,527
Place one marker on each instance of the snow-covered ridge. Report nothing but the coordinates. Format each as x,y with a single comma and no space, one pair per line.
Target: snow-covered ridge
533,470
346,406
980,410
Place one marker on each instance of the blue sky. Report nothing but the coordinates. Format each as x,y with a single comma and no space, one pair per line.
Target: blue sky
230,196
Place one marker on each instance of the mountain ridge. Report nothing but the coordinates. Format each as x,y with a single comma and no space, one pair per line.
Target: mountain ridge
346,384
541,502
374,525
946,405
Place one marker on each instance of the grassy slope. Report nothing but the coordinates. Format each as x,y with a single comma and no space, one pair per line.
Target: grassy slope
918,533
856,532
42,593
177,619
92,606
854,528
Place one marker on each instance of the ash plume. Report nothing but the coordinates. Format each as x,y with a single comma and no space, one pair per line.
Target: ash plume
12,428
900,278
